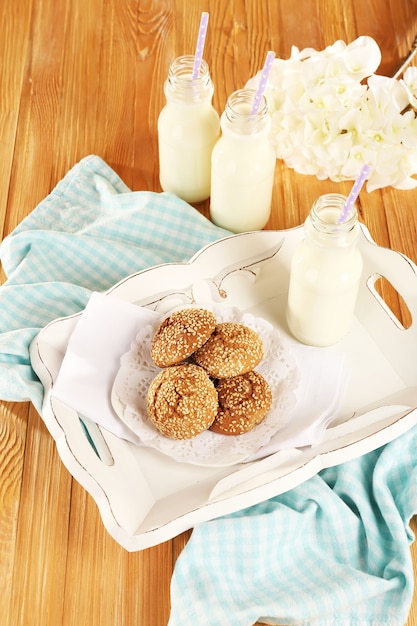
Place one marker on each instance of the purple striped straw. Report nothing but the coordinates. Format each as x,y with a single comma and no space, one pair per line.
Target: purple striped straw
264,79
358,184
199,49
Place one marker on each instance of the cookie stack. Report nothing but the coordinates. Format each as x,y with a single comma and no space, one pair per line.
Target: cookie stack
207,379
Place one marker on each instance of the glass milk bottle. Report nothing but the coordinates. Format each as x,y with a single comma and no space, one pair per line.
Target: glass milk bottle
325,273
242,166
188,128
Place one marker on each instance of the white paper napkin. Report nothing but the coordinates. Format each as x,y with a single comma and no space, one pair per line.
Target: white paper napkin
324,376
104,333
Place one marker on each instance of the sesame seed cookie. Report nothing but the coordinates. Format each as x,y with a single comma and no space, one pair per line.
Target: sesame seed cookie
232,349
181,334
244,402
182,401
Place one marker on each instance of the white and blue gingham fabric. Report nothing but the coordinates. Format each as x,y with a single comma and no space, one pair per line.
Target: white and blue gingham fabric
88,234
332,552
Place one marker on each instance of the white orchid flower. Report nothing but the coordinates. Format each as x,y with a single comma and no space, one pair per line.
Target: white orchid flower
327,121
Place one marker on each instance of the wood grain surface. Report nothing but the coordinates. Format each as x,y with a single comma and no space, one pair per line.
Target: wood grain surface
84,77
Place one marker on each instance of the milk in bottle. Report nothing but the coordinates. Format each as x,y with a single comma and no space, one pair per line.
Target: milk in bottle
243,163
325,274
188,127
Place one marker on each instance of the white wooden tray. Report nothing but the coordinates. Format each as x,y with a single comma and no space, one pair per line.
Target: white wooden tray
144,497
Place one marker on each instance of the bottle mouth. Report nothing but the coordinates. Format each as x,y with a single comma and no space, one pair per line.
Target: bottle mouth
327,210
180,84
238,112
324,224
182,67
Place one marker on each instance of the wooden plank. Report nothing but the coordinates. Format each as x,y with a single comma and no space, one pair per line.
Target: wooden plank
39,567
15,22
129,588
13,420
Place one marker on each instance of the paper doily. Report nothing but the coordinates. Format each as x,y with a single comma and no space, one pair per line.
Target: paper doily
279,368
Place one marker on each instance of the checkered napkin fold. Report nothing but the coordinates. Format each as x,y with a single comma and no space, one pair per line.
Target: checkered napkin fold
332,551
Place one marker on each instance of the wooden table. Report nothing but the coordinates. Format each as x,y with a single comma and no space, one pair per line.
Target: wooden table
81,77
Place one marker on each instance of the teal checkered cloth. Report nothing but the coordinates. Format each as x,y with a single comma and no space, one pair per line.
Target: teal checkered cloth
88,234
333,551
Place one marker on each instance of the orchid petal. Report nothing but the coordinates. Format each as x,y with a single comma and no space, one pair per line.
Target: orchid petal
363,56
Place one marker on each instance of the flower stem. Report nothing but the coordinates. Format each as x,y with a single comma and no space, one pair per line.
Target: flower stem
407,60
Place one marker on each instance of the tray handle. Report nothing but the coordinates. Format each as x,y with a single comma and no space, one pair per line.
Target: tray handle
375,314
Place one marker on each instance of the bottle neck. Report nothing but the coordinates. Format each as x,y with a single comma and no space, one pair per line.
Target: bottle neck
239,118
181,87
322,227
